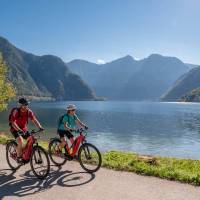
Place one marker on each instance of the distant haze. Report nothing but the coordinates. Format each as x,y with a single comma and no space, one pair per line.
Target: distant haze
129,79
150,79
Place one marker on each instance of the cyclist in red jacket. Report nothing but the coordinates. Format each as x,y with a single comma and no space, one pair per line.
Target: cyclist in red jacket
18,121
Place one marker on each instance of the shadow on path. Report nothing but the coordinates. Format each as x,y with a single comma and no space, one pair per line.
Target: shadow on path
28,184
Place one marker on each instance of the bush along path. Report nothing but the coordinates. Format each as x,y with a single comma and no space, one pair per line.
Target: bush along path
183,170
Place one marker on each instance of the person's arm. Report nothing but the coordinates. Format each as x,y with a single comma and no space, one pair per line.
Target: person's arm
34,120
16,127
80,123
67,127
37,123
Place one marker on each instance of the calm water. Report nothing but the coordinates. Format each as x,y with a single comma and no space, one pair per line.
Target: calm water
169,129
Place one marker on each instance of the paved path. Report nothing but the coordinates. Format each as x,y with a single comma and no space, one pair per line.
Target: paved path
71,182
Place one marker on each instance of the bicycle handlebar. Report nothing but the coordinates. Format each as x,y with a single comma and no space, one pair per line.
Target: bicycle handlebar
31,132
38,131
81,130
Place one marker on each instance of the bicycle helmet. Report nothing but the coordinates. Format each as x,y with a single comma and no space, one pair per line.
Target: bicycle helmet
23,101
71,107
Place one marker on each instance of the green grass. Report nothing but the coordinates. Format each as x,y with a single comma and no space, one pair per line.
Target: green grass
3,139
183,170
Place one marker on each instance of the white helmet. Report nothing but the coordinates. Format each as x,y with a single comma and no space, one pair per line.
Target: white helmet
71,107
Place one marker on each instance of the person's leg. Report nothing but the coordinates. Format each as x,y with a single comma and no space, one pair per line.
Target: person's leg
62,144
19,146
70,137
18,139
62,138
72,140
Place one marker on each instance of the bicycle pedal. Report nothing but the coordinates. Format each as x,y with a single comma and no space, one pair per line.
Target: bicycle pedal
39,162
20,161
69,157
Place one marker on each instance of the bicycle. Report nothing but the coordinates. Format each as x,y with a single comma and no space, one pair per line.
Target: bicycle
87,154
32,153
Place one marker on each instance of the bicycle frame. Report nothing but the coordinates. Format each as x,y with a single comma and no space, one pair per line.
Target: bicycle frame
75,146
26,152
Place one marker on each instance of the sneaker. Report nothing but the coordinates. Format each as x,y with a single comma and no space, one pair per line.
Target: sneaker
39,162
19,160
68,156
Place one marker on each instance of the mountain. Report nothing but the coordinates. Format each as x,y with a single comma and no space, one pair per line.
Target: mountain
18,69
191,66
42,76
156,74
88,71
192,96
129,79
185,84
114,75
122,79
106,79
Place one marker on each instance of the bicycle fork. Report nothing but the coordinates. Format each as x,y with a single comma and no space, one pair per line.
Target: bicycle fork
87,153
39,159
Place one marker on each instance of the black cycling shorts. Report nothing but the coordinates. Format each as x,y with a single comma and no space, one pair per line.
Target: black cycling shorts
62,133
16,134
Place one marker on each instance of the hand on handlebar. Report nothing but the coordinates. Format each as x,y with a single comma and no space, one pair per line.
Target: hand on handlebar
24,134
80,130
21,132
41,129
38,131
72,129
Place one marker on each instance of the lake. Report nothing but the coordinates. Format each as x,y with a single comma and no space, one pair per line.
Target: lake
166,129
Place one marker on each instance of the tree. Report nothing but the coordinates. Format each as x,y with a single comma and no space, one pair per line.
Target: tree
7,92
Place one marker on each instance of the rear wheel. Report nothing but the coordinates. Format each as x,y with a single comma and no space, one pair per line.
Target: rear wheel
39,161
56,156
89,157
11,155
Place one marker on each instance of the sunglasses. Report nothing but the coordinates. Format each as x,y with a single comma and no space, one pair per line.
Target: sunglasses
24,106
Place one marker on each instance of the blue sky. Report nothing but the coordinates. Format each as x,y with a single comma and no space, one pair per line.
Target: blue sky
103,29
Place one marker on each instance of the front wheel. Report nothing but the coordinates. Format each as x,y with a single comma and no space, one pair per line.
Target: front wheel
89,157
39,162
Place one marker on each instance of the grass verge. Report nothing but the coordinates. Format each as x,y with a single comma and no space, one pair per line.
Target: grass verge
183,170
